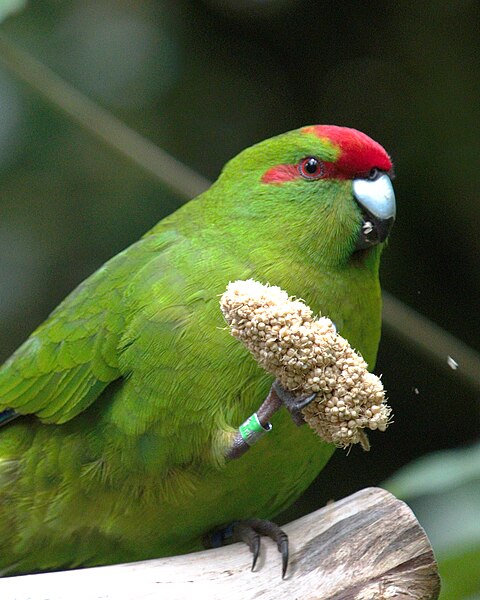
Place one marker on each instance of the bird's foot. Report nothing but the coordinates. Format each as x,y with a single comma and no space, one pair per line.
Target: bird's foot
258,424
250,531
294,404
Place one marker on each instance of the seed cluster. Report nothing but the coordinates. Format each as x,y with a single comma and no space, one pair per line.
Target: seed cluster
307,355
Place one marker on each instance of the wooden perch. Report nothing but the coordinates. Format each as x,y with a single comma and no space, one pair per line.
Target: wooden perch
368,546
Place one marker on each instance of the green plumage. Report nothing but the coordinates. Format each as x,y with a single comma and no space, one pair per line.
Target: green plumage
133,387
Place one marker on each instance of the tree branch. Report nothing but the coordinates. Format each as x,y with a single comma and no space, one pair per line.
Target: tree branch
100,123
366,546
431,340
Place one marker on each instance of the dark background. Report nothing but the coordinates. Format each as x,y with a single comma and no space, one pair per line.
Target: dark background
205,79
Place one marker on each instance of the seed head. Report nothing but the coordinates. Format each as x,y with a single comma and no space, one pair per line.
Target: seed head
306,354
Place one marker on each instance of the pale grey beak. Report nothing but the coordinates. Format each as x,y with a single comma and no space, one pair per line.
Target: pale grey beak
376,196
377,201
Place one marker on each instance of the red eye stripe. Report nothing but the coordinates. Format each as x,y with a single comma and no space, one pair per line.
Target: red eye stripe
357,155
280,174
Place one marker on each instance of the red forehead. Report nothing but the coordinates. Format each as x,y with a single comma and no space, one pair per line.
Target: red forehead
358,152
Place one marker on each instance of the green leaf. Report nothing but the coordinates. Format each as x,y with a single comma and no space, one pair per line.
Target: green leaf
461,575
8,7
443,490
437,472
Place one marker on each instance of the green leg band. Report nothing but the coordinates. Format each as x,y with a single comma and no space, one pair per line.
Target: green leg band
252,430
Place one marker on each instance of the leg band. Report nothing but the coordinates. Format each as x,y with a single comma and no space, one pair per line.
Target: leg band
252,430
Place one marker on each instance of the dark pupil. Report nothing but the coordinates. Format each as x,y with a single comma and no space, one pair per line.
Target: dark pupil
311,166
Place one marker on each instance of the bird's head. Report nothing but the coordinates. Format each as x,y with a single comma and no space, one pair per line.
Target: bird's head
323,187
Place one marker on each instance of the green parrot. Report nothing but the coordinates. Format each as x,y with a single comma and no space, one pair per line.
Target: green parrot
121,412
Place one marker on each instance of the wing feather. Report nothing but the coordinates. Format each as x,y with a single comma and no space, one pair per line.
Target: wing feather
73,356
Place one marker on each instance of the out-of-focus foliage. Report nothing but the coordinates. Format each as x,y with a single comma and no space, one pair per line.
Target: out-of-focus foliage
203,79
8,7
443,489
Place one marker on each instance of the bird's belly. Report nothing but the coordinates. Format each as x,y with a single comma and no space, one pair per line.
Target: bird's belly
112,523
267,479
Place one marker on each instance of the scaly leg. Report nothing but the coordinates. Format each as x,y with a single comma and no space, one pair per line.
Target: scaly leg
254,428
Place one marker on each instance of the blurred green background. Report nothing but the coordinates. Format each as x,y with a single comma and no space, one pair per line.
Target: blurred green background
204,79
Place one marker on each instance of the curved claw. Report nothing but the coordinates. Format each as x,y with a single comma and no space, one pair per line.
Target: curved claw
250,532
255,550
304,401
283,548
294,404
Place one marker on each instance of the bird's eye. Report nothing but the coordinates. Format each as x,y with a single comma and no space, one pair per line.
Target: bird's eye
374,174
311,168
